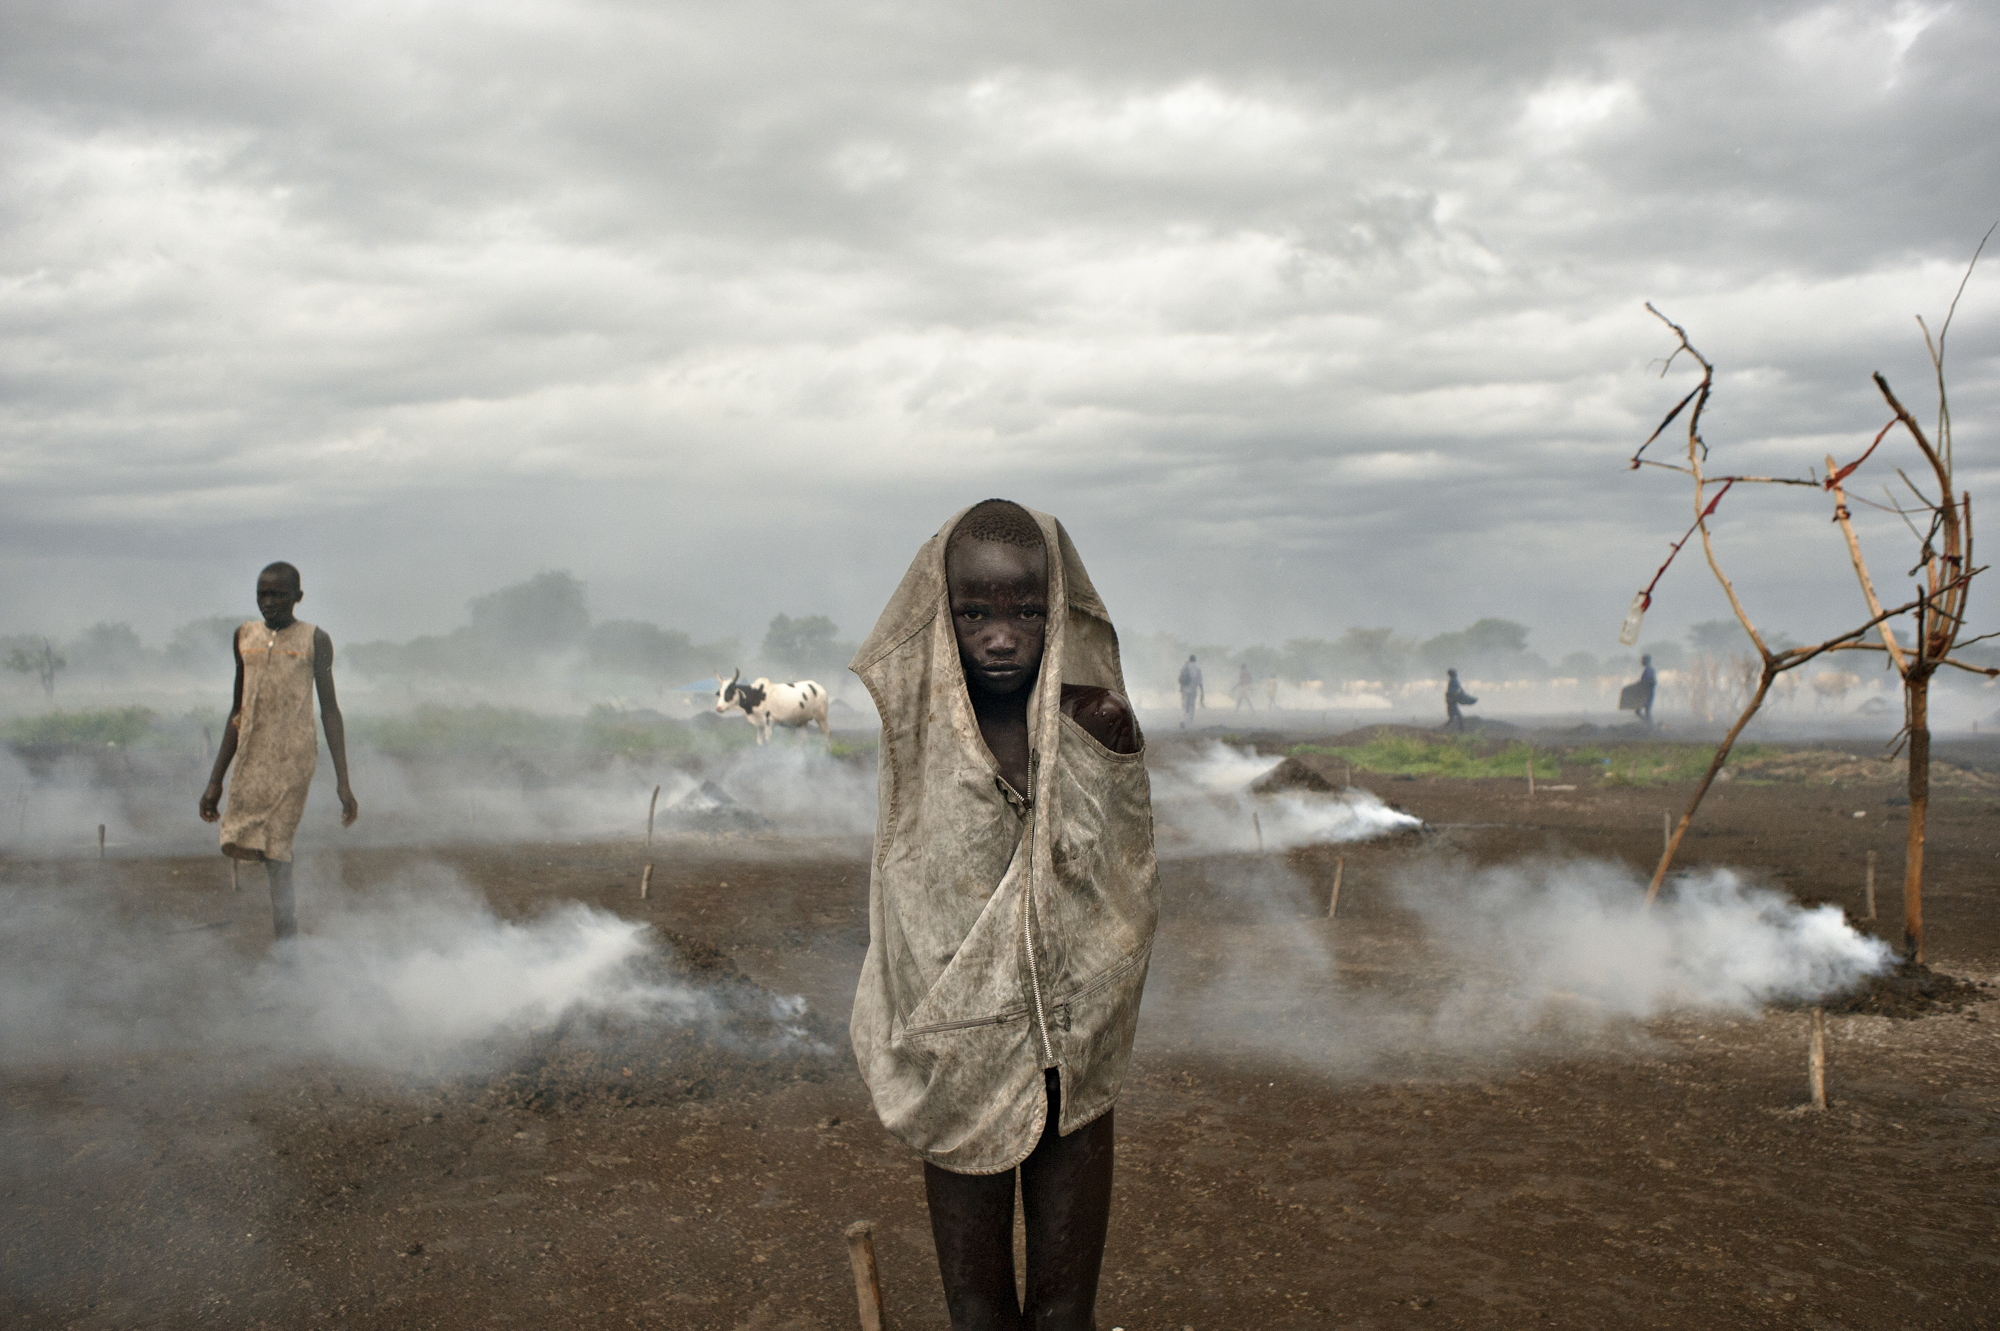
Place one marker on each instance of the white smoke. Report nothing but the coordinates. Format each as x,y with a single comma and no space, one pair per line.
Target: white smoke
1529,939
1202,804
1447,964
420,977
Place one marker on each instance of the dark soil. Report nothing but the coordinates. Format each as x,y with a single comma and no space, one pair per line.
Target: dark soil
1291,774
1910,991
1661,1175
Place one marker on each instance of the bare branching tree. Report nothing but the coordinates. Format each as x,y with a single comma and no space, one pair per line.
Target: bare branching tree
1941,522
1709,492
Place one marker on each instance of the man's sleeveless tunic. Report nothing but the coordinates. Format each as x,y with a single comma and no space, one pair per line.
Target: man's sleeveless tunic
276,745
1004,937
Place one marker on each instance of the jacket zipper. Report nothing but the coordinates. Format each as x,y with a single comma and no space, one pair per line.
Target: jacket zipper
966,1023
1028,915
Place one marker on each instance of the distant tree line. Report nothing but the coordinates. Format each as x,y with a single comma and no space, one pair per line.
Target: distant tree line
532,625
545,622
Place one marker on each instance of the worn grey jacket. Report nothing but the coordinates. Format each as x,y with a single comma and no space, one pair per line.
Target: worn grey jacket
1004,938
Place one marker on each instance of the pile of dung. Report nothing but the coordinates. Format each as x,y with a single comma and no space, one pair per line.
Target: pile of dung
1909,991
709,808
747,1040
1291,774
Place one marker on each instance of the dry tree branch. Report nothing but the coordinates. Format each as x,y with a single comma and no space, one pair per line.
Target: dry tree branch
1775,664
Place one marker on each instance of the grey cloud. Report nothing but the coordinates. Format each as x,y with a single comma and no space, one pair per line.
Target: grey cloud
1300,316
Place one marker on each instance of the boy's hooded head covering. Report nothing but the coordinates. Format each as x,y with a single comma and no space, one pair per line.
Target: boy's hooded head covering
1006,935
1078,621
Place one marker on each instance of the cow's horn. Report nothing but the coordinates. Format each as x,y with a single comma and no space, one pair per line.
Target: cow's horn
738,675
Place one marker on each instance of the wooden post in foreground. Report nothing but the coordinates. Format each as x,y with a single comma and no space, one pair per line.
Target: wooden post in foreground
867,1280
1871,884
1339,867
1260,832
234,886
1531,774
100,841
1816,1059
652,805
645,881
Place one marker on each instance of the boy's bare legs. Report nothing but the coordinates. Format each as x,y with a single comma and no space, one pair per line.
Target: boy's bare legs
284,920
1066,1203
1066,1197
972,1222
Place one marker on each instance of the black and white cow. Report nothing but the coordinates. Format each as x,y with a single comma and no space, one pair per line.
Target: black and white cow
766,704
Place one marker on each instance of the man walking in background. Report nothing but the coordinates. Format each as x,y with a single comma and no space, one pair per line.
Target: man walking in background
1243,689
1191,691
280,663
1637,697
1455,697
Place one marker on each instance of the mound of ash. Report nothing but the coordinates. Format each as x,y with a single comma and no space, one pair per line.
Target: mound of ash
744,1040
1291,774
1909,991
708,808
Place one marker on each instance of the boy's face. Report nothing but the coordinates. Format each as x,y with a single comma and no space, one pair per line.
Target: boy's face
1000,612
276,595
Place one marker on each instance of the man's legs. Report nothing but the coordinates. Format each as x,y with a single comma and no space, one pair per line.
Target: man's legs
1066,1198
1066,1194
284,921
972,1223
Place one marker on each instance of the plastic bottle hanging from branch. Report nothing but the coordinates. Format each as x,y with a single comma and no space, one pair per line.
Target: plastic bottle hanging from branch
1628,632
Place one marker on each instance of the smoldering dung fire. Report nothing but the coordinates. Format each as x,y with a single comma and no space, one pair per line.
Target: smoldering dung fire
418,979
1203,805
1516,961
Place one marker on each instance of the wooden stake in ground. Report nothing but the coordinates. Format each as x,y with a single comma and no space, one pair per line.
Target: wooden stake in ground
1871,885
100,841
1531,775
1333,904
645,881
1260,832
654,804
867,1280
234,886
1816,1059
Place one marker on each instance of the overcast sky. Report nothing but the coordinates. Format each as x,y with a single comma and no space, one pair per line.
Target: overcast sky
1299,316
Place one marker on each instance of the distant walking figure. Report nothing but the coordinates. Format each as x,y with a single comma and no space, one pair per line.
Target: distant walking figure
1243,690
1455,697
1637,698
1192,691
282,662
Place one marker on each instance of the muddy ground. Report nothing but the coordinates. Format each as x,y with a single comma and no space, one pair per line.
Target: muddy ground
1285,1159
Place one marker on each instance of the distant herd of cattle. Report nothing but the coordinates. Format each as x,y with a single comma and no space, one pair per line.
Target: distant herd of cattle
765,704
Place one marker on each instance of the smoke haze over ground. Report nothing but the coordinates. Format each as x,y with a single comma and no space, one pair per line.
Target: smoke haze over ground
1514,963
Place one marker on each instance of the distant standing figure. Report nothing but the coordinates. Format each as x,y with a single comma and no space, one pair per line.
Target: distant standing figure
1192,692
1637,697
1455,697
1243,689
1271,694
280,663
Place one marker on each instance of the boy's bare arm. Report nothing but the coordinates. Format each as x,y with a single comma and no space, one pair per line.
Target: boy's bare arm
210,805
336,728
1105,716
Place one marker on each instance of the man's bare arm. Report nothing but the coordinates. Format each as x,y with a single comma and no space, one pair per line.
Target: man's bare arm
336,727
210,805
1105,716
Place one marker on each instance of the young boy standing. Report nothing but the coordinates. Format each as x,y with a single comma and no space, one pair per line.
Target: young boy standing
280,662
1011,907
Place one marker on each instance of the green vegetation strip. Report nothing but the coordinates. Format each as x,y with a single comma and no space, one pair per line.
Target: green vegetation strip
1404,755
1619,765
